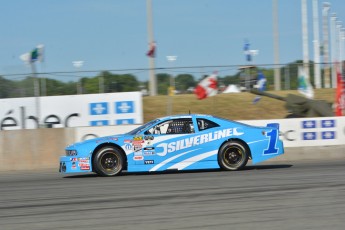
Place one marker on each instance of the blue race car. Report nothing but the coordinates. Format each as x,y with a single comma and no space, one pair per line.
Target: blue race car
181,142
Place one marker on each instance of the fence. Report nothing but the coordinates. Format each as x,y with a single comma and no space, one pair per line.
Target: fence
120,80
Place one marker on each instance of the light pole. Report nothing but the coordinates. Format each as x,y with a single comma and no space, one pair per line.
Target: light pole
277,83
171,59
333,48
78,65
338,32
325,22
317,70
342,45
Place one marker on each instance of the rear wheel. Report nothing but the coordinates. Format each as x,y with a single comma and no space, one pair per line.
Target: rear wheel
108,161
233,155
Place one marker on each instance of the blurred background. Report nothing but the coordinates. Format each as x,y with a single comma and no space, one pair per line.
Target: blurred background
103,46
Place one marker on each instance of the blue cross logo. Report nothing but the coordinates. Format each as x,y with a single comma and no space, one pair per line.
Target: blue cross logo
124,121
99,123
328,135
309,136
328,123
124,107
309,124
99,108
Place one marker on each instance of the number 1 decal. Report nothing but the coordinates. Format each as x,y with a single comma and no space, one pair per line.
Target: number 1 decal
272,142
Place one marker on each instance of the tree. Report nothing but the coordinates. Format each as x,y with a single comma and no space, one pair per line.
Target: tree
119,83
184,81
6,87
163,82
230,80
55,87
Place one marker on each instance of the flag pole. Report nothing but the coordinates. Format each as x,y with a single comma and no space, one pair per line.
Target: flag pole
305,39
152,76
171,89
36,93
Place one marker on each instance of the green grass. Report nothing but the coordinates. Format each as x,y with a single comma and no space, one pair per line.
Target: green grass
234,106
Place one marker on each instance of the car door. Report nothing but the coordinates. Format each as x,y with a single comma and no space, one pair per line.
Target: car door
164,141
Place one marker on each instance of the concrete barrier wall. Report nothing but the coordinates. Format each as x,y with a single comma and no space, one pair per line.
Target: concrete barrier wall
33,149
41,148
312,153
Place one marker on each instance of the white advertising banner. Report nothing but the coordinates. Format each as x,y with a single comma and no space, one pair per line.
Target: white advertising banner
300,132
71,111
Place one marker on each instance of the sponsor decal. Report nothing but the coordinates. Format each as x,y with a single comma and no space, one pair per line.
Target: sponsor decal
148,153
149,148
196,140
138,158
148,138
127,141
84,166
138,142
137,148
137,138
128,146
149,162
74,166
84,160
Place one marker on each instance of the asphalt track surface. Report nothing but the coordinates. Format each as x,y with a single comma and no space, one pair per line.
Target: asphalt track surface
278,195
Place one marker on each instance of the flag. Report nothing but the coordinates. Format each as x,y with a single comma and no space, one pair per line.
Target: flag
207,87
340,95
304,86
33,56
261,85
152,50
247,52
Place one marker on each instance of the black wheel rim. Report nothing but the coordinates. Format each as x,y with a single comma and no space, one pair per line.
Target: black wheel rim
233,155
110,161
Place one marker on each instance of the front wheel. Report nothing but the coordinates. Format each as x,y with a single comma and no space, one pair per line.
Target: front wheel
233,155
108,161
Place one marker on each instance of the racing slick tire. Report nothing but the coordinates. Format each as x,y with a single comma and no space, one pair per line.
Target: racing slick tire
108,161
233,155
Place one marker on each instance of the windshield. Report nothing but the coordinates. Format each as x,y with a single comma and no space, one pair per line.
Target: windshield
141,128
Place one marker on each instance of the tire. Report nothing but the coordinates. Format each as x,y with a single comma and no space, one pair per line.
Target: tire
108,161
233,155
